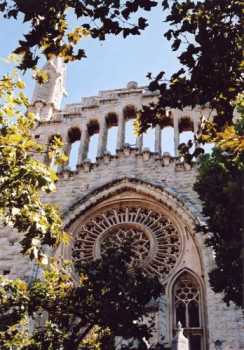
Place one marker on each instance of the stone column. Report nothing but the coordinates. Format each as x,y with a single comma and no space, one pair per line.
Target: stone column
84,144
102,139
139,143
121,130
176,132
67,146
157,144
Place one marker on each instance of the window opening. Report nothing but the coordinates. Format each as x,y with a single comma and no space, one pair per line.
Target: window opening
129,133
149,139
73,156
208,147
50,162
112,126
187,310
186,130
6,272
193,314
185,136
72,148
129,116
93,132
181,314
195,342
167,138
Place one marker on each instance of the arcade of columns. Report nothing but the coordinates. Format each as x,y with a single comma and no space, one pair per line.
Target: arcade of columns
112,108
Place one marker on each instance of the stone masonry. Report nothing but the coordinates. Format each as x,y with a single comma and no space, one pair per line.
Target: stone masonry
136,191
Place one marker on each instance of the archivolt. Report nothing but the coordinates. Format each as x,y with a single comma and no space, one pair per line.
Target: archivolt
147,189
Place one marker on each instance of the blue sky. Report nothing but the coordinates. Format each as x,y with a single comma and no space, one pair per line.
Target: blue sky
109,64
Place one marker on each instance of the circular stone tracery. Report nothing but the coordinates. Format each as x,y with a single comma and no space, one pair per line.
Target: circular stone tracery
142,246
156,242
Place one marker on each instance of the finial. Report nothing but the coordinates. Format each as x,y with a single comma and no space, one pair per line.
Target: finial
179,326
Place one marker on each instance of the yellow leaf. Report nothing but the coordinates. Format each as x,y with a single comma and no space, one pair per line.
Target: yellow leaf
4,60
14,58
41,77
10,112
20,84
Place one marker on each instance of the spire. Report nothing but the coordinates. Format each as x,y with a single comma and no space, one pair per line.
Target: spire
47,98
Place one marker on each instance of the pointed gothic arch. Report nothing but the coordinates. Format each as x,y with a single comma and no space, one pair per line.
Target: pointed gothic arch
162,226
187,304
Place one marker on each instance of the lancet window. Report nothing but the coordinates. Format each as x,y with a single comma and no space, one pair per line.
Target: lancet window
187,309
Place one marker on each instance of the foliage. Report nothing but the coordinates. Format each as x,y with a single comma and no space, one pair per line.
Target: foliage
22,176
184,151
49,29
106,301
209,33
220,188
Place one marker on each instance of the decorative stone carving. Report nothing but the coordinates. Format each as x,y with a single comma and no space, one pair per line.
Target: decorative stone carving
87,165
38,105
146,153
127,149
187,166
106,157
157,244
186,291
132,85
166,158
141,243
179,342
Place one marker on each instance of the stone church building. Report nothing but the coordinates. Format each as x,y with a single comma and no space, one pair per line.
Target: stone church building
137,191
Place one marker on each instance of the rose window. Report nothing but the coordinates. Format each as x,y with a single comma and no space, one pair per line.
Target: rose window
140,242
156,242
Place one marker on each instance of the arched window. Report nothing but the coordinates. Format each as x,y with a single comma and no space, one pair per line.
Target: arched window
129,117
187,309
167,134
167,143
112,126
48,161
149,139
72,147
93,132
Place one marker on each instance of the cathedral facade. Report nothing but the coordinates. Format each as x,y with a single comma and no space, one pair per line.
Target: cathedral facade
137,191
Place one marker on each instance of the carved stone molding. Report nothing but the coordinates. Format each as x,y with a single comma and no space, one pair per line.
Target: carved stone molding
156,241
